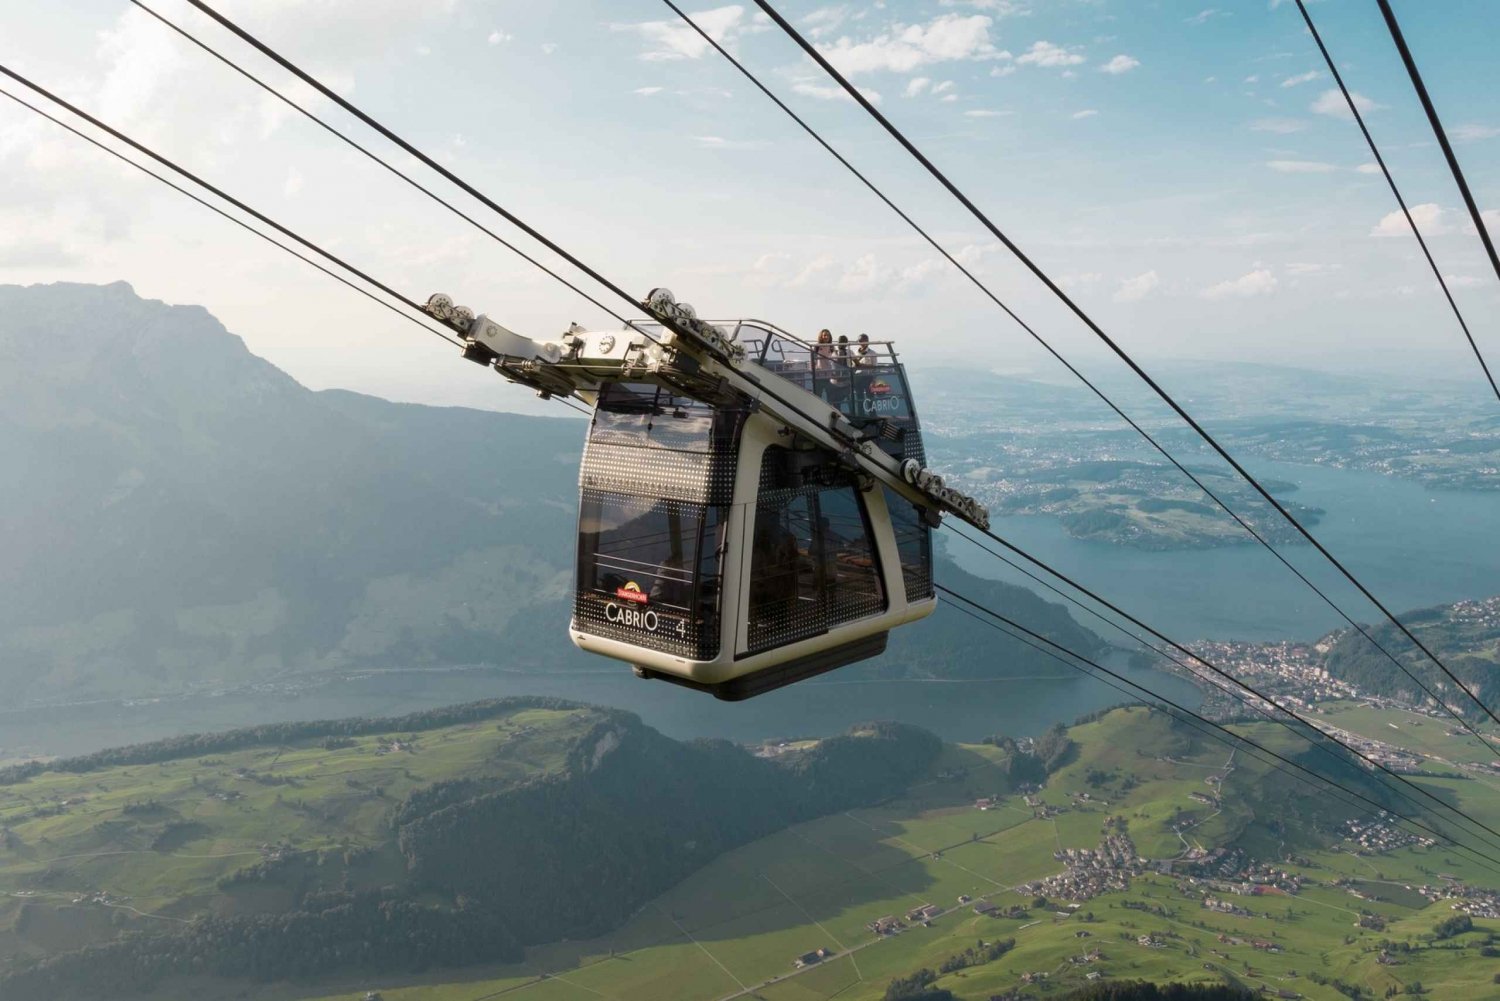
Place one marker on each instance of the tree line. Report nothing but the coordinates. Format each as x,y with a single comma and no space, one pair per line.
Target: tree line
274,734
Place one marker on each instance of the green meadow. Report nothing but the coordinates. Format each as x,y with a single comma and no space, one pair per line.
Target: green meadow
162,843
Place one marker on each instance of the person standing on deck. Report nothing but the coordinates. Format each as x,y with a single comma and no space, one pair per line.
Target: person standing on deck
823,365
863,366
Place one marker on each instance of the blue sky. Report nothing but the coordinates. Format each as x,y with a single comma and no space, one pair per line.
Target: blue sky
1181,166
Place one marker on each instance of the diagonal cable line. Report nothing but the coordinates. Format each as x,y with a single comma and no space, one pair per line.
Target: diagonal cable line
1146,435
238,222
183,171
1108,341
1243,687
432,164
252,230
1442,135
1188,712
1391,181
342,137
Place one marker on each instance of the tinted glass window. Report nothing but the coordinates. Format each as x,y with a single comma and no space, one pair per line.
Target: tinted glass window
812,563
644,575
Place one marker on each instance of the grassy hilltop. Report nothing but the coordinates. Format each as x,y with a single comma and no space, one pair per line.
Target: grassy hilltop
573,854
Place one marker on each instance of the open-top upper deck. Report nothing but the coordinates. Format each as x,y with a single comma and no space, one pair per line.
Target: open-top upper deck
864,380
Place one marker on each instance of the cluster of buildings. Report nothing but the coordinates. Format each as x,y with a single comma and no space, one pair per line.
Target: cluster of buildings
1222,906
1483,613
1470,900
1381,835
1397,759
1091,872
1291,672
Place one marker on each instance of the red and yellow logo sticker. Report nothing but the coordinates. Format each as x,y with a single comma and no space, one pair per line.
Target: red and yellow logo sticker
632,592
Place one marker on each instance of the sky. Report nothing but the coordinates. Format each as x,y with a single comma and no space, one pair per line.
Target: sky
1187,172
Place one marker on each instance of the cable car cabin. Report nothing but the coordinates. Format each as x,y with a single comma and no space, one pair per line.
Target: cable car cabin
716,552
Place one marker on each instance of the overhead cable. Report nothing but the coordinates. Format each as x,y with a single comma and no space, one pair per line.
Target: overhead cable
238,222
342,137
1359,119
1442,136
183,171
432,164
1146,435
1120,352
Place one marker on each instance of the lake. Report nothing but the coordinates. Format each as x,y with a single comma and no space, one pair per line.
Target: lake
1410,545
956,710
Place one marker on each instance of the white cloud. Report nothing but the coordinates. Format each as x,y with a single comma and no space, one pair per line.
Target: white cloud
1079,280
1257,282
1120,64
1301,269
1332,103
1280,126
1473,133
1000,8
1204,16
141,58
1085,113
548,48
825,19
916,85
832,92
670,40
1046,54
864,275
986,113
1462,281
1301,78
719,142
1252,79
1368,168
1300,167
497,36
648,91
947,38
1491,218
942,88
1431,220
950,97
293,183
1137,288
1003,70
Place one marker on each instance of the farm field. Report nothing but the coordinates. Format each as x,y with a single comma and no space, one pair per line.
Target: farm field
142,846
736,928
149,845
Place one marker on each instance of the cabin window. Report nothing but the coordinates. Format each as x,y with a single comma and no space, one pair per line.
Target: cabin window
813,563
648,572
